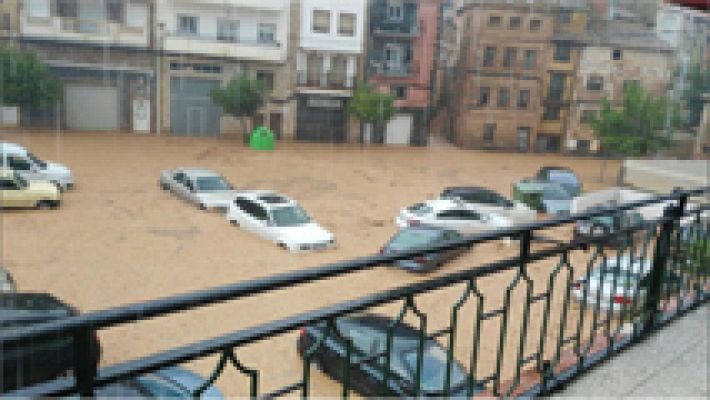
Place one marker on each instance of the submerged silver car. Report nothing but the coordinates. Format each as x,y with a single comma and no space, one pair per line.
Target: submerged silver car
203,187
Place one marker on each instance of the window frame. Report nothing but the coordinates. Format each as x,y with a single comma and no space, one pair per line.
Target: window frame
260,31
235,33
527,99
489,132
512,61
340,24
491,51
517,25
484,96
535,25
184,17
529,66
505,104
314,20
595,86
494,21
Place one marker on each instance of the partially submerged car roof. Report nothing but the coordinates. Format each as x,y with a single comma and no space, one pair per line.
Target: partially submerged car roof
195,172
7,147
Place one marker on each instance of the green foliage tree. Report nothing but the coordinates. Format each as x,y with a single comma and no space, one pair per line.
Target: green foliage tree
697,84
373,107
25,81
241,98
639,127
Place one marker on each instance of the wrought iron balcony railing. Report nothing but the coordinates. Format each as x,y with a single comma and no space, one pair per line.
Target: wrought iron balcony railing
522,325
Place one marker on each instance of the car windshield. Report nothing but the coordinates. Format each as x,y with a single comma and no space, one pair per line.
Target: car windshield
290,216
36,160
410,238
433,367
556,193
420,209
563,177
212,184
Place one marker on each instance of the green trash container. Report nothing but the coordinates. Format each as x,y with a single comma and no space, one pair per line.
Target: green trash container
262,138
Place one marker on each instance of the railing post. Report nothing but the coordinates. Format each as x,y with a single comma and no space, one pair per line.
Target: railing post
660,260
84,362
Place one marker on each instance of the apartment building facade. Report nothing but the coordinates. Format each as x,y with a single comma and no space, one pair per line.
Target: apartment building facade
9,18
622,53
328,62
204,44
500,76
98,50
402,50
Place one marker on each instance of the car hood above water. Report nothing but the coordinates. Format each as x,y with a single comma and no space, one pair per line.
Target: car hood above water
306,233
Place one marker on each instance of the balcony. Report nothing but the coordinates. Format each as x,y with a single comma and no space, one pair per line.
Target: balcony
243,49
397,30
90,31
401,70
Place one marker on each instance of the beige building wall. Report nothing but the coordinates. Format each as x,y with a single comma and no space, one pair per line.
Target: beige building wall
9,17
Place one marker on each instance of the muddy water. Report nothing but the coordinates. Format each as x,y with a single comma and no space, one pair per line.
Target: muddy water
119,239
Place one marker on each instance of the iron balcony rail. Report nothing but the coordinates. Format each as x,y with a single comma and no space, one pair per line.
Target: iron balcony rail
671,252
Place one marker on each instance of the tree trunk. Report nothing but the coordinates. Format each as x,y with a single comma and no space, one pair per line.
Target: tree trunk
245,132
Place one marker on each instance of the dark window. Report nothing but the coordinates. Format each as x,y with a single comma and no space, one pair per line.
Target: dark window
190,185
321,21
459,215
616,54
179,177
400,92
8,184
19,163
67,8
489,131
530,59
484,96
557,87
595,83
583,146
267,33
5,22
552,113
514,23
535,25
228,30
509,57
503,97
494,21
267,78
187,24
523,99
469,215
489,56
564,17
562,52
252,209
588,116
114,10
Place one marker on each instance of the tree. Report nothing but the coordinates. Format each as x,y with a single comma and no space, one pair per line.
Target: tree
373,107
25,81
698,83
640,127
241,98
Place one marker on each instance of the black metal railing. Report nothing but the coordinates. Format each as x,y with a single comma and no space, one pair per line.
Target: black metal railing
521,341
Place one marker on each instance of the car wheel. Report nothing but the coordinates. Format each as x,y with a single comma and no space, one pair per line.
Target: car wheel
203,207
164,186
282,246
45,205
234,222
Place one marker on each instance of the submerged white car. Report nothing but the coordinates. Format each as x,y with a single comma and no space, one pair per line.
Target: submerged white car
203,187
614,285
489,201
278,219
451,214
31,167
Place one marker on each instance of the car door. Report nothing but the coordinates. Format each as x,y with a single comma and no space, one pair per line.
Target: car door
10,194
252,217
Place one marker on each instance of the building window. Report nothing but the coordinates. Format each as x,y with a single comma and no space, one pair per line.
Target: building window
65,8
523,138
394,10
321,21
267,79
489,56
535,25
595,83
489,132
509,57
564,17
346,24
5,22
503,97
523,99
114,11
400,92
552,113
588,116
530,59
562,52
557,87
267,33
616,54
494,21
629,83
514,23
228,30
584,146
187,24
484,96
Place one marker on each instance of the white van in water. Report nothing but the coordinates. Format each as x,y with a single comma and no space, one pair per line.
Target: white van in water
19,159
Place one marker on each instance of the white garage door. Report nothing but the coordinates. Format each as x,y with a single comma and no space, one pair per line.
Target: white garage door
399,129
91,108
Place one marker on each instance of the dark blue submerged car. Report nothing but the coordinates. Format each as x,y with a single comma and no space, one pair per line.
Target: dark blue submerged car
368,333
422,236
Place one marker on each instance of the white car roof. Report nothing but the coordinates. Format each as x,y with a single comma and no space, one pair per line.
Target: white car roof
198,172
7,147
258,195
